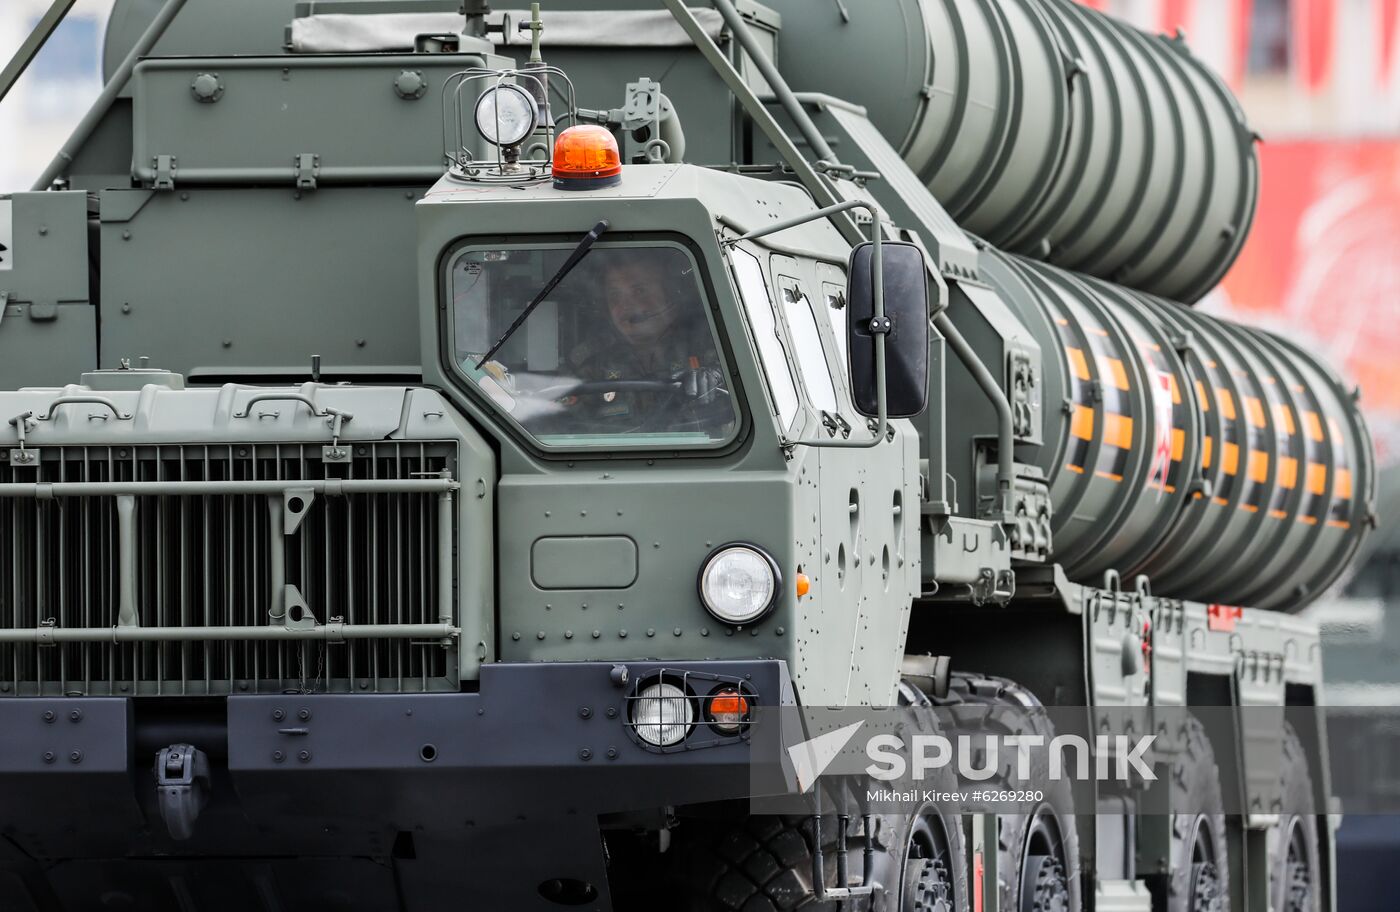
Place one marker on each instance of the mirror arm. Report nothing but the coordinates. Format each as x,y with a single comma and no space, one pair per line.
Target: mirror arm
1004,509
879,323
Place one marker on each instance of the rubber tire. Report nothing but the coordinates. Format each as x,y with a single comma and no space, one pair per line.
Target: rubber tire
764,864
758,864
980,691
1300,811
1195,784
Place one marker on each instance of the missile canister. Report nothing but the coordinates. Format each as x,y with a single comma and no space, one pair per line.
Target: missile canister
1227,464
1047,128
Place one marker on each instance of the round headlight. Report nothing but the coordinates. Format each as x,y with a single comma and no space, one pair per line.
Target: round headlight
739,584
662,714
505,115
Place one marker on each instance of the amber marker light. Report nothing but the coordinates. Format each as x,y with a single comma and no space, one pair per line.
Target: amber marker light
728,711
586,158
804,585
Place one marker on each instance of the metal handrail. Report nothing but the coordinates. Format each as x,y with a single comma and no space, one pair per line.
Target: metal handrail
318,411
334,632
332,487
83,400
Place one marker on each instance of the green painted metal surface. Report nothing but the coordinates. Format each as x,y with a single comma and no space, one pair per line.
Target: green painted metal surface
1049,129
583,562
1224,462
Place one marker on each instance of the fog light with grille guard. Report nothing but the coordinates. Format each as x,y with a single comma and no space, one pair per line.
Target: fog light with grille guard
662,714
505,115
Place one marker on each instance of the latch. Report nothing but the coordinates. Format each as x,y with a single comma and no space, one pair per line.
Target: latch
166,166
182,787
308,168
335,453
23,424
835,424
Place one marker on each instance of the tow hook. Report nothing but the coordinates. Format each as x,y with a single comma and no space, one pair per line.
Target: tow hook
182,787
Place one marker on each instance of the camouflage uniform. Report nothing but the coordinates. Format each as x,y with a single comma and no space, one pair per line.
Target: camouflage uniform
686,354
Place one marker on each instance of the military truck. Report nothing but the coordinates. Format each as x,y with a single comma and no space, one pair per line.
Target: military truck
434,433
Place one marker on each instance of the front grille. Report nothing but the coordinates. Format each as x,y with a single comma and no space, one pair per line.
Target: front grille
172,572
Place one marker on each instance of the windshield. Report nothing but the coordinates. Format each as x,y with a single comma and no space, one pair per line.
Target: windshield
621,352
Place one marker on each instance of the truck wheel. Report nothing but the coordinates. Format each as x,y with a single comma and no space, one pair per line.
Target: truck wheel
1037,853
764,864
1294,872
1200,874
933,867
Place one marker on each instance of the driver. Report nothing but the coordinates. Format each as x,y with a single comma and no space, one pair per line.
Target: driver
655,336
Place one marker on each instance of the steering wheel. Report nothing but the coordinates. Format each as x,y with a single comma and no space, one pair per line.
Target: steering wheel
665,416
585,387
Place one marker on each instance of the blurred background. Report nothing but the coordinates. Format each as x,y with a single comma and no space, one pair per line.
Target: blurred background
1320,82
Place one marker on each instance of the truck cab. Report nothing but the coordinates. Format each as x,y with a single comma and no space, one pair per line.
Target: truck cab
627,464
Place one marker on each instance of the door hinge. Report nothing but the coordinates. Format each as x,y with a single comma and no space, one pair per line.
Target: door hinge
166,166
308,168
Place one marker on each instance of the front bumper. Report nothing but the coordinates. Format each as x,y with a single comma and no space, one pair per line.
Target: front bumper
363,803
537,741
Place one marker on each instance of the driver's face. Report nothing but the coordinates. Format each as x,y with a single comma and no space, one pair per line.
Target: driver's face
638,302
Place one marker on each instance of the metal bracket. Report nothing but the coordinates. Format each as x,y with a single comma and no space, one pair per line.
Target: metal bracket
166,166
336,455
296,614
308,168
881,326
296,503
1182,342
182,787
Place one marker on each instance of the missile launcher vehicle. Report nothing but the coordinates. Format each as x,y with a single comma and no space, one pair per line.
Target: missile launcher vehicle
433,434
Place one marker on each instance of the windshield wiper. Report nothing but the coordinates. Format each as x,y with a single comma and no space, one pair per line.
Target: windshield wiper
579,253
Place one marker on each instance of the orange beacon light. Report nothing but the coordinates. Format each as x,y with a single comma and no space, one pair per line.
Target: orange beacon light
586,158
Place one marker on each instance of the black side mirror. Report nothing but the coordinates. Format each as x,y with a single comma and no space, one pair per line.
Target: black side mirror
905,329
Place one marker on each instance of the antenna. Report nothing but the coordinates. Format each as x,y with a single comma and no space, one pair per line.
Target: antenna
536,28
